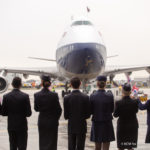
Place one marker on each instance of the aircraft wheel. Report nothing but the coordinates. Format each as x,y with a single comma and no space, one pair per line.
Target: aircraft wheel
63,93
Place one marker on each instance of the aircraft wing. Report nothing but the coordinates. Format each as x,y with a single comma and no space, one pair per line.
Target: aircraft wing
51,71
126,70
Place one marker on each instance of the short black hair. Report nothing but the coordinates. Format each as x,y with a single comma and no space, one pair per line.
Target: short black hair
101,84
17,82
127,87
46,78
75,82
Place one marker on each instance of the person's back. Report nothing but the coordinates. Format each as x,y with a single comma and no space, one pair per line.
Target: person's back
76,111
16,105
48,106
47,103
102,105
127,109
146,106
127,124
0,107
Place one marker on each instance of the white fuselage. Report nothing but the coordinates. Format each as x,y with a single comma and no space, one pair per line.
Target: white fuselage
81,51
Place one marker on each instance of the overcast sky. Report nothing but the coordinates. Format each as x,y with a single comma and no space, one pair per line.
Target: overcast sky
34,27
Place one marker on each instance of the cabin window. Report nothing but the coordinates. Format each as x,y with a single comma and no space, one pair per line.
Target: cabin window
76,23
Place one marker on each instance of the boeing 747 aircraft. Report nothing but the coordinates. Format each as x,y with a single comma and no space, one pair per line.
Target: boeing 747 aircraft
80,52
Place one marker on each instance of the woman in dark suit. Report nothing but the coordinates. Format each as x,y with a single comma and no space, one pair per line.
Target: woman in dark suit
47,103
102,107
127,124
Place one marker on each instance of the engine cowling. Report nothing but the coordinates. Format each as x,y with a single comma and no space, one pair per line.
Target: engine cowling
3,84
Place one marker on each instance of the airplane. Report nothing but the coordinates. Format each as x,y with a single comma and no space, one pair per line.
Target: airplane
81,53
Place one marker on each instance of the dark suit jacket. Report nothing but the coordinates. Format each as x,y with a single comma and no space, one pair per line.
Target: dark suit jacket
145,106
47,103
126,110
16,105
0,108
77,110
102,106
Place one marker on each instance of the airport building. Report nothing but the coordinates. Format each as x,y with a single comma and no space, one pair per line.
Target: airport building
142,81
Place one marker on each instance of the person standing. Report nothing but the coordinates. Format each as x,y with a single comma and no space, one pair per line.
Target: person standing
127,124
0,107
146,106
16,105
48,106
102,107
76,111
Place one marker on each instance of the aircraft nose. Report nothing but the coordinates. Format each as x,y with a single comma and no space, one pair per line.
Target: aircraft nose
83,59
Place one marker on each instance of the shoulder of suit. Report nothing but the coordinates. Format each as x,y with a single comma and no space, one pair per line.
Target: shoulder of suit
7,94
84,95
54,93
37,93
12,93
118,102
94,94
67,96
109,93
80,93
24,94
135,101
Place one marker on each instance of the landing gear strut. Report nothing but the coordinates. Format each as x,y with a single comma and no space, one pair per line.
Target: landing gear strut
112,81
66,91
84,87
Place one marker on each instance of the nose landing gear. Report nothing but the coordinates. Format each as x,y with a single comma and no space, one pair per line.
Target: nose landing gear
66,91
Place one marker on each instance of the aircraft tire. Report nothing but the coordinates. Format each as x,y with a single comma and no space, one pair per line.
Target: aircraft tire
63,93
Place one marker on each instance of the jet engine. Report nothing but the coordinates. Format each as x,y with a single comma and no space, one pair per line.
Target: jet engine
3,84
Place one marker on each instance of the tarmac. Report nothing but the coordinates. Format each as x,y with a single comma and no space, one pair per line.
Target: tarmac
33,143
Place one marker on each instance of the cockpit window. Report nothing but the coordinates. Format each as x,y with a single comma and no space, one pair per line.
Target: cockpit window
76,23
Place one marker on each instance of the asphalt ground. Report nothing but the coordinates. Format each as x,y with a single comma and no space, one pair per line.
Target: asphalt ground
33,143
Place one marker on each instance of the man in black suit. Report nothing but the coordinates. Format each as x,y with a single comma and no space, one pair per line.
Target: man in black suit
48,106
0,108
146,106
16,105
76,110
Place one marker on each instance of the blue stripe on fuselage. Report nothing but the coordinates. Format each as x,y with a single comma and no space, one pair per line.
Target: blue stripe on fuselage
82,58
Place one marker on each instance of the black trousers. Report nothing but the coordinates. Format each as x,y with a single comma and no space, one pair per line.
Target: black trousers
147,140
48,138
18,140
76,141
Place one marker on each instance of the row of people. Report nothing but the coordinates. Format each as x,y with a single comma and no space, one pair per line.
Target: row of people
77,108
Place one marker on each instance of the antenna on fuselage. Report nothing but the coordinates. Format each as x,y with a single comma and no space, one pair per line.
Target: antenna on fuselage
88,9
72,18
